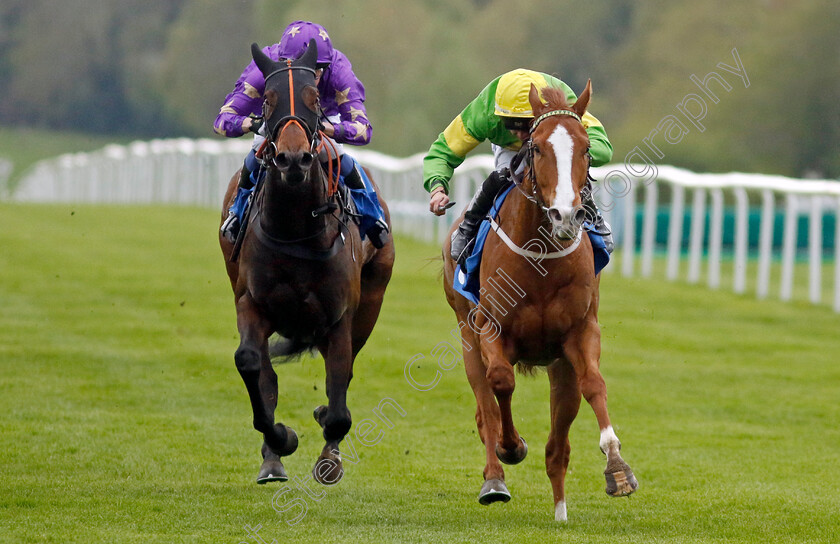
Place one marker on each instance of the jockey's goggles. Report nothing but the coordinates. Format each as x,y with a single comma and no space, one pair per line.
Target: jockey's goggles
517,123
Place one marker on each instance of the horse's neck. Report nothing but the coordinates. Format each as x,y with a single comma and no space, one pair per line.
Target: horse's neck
286,212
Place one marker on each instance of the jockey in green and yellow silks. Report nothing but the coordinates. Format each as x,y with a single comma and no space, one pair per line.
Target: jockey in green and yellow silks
501,113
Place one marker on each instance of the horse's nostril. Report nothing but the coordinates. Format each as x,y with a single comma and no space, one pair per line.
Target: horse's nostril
282,161
580,216
555,215
306,161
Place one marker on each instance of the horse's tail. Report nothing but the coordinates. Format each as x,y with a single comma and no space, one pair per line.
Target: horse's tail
526,369
289,349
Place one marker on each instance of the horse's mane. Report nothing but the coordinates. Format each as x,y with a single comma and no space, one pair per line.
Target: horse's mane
555,98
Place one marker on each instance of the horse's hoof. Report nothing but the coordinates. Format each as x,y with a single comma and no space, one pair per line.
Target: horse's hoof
288,446
493,491
328,470
319,413
620,482
272,470
512,457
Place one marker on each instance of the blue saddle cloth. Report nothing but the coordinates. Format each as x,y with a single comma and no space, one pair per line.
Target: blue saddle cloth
466,282
367,203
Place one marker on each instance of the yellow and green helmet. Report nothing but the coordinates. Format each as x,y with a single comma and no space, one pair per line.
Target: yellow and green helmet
512,93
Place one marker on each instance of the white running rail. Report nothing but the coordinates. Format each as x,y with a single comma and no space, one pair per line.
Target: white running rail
196,172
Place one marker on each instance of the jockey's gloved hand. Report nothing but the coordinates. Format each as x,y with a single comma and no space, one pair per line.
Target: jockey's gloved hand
256,124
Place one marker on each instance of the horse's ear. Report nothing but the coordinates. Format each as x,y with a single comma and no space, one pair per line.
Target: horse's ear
534,98
264,63
583,100
310,56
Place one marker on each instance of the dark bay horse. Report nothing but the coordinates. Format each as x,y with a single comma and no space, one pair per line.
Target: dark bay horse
301,271
539,307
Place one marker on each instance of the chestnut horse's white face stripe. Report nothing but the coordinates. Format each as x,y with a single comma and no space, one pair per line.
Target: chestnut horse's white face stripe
564,193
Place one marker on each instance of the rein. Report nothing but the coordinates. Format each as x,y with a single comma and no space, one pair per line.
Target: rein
297,248
332,177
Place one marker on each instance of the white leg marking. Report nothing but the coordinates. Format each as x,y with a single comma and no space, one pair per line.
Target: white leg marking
609,440
560,511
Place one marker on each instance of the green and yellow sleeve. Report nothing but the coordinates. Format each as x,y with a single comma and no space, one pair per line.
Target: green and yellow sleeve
471,127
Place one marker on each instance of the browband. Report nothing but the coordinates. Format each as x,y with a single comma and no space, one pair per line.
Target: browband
287,68
542,117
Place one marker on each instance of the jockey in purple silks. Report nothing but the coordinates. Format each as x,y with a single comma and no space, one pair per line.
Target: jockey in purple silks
344,120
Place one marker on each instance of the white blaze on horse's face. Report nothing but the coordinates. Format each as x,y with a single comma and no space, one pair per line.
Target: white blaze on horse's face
565,217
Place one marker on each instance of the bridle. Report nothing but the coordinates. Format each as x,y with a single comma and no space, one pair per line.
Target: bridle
268,152
269,147
534,195
283,121
268,155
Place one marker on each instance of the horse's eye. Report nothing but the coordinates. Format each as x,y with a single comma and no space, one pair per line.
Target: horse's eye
537,149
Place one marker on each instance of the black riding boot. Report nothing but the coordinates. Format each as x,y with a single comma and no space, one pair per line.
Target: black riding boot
245,181
352,178
480,205
378,233
230,228
593,215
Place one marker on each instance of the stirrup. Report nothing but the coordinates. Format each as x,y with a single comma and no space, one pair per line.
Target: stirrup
460,255
468,249
353,179
230,227
378,234
607,236
602,229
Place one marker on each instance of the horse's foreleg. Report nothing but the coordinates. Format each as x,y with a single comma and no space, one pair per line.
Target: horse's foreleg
488,421
272,469
335,417
583,349
255,368
511,448
565,403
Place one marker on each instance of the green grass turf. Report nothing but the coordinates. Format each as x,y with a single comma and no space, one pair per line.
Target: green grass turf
123,419
801,275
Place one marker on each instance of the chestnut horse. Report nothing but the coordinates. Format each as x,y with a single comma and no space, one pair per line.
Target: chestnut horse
302,272
539,308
